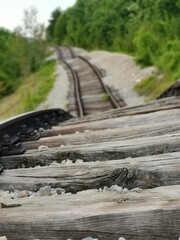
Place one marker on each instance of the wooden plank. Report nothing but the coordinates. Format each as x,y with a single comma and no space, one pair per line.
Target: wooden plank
111,150
150,214
123,133
121,122
144,172
158,105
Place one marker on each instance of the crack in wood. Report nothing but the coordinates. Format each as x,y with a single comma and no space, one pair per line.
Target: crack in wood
119,175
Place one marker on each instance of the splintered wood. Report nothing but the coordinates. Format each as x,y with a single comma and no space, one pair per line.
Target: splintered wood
120,170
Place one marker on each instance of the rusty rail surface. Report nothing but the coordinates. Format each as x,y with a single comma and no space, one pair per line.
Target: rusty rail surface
77,91
113,101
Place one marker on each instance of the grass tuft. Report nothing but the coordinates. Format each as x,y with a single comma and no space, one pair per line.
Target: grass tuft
152,86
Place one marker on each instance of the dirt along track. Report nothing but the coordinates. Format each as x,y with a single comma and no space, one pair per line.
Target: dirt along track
107,175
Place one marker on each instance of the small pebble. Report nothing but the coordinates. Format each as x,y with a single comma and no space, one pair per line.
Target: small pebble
79,161
62,145
121,238
60,191
15,194
54,163
3,238
116,188
125,190
4,195
23,194
105,189
45,191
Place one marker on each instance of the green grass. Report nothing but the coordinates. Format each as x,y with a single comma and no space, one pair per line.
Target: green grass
104,96
152,86
31,93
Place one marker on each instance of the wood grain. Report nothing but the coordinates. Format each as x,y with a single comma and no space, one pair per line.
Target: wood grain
150,214
110,150
144,172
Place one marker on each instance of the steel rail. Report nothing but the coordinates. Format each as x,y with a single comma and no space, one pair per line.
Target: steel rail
59,53
26,128
113,101
71,52
79,102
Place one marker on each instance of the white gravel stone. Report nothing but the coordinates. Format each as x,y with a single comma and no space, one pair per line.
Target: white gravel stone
45,191
125,190
4,195
55,164
77,132
79,161
121,238
3,238
105,189
68,162
23,194
116,188
15,194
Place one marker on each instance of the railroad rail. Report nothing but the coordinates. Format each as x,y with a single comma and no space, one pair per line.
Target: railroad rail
64,52
78,97
27,127
114,102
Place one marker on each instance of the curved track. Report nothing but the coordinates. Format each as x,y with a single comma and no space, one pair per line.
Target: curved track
89,94
64,53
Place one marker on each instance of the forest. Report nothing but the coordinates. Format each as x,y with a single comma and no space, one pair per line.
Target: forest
146,29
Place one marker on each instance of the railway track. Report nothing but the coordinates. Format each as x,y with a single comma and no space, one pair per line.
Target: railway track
106,175
88,93
64,53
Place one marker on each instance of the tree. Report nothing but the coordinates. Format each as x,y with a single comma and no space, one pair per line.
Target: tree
30,44
52,22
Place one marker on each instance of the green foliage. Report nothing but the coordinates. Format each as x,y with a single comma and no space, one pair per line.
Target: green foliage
146,86
169,60
104,96
33,90
147,29
152,86
50,29
39,85
21,52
